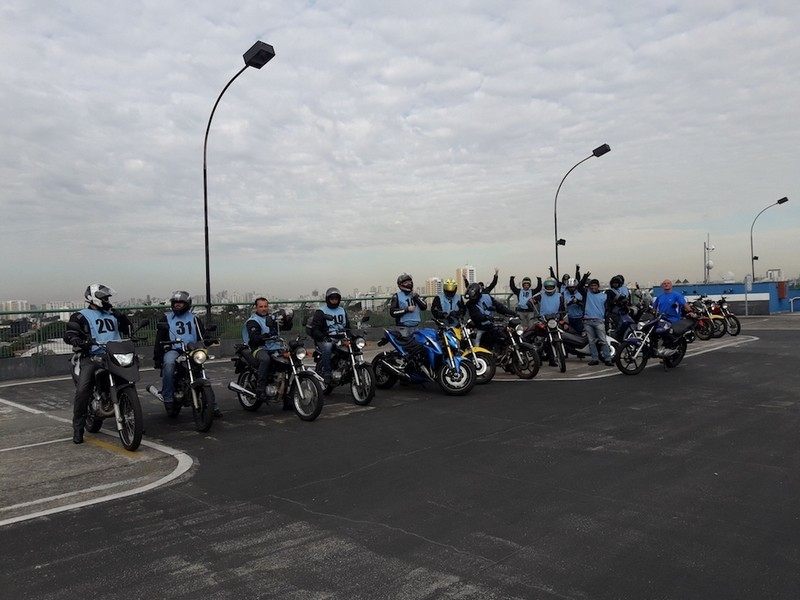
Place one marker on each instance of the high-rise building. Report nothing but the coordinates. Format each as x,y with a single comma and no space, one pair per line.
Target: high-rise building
433,286
466,272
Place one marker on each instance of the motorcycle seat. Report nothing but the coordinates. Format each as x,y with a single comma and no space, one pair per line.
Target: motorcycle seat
682,326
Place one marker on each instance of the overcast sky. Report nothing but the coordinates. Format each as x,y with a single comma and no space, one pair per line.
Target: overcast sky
392,136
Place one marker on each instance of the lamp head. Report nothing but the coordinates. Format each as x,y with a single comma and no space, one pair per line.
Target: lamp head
600,150
783,200
258,55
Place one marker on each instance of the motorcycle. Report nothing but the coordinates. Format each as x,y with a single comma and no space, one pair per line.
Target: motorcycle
192,387
655,337
483,359
720,307
510,351
421,359
287,376
114,393
348,366
709,325
549,338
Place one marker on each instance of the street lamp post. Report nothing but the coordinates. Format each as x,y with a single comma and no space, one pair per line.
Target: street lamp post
753,257
599,151
257,56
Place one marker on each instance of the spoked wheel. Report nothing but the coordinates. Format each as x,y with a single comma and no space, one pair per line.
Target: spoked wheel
627,360
204,415
309,405
384,377
561,359
457,381
248,380
326,389
734,326
485,366
670,362
720,326
528,366
93,423
703,329
363,390
130,434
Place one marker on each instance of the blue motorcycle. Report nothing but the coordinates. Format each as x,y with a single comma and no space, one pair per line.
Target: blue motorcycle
421,358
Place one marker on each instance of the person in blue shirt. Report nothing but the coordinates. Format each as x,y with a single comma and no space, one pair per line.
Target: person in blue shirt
670,304
594,322
100,322
185,325
448,306
406,305
526,307
328,324
260,332
481,308
573,297
549,300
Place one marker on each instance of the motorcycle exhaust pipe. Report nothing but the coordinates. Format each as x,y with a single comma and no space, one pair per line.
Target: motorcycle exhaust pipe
235,387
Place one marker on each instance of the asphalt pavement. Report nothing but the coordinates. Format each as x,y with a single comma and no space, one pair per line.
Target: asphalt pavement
587,484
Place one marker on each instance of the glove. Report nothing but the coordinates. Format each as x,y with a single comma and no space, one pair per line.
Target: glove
79,343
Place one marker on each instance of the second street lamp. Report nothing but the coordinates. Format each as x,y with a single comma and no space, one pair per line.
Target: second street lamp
257,56
753,257
599,151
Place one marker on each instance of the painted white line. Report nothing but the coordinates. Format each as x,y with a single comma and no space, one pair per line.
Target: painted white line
184,463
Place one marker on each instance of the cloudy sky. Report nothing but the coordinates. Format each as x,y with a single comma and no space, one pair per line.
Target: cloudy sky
392,136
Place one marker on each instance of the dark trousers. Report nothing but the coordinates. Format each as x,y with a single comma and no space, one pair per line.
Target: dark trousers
84,384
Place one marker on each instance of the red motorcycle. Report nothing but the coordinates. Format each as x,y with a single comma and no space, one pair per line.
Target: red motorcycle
720,307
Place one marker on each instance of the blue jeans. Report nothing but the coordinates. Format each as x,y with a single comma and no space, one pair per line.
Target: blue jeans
325,349
168,375
596,331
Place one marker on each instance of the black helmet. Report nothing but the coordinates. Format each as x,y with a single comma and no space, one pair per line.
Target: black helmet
617,281
474,292
405,282
181,296
330,293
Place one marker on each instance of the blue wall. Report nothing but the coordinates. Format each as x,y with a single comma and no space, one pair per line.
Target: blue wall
762,300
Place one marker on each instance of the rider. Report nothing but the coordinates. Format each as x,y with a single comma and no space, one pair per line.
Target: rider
448,306
329,323
573,300
260,332
670,304
185,325
406,305
594,320
98,322
481,308
550,302
525,305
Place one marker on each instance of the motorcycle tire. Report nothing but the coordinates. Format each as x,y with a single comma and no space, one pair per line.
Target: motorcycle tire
703,329
561,359
310,404
530,365
485,365
734,326
248,380
93,423
670,362
132,421
719,325
456,381
627,361
384,377
363,391
204,416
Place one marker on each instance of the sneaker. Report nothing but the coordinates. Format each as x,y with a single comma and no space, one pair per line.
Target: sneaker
218,413
170,408
592,363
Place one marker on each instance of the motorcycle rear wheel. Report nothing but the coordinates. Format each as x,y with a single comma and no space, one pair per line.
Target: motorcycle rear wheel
530,362
204,416
310,405
456,381
248,380
93,423
734,326
627,361
673,361
364,391
384,377
132,422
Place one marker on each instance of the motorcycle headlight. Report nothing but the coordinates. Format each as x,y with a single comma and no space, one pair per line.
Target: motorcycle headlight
199,356
360,342
124,360
724,305
519,329
300,353
552,323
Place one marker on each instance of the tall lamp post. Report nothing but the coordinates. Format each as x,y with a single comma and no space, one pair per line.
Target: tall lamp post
599,151
753,257
257,56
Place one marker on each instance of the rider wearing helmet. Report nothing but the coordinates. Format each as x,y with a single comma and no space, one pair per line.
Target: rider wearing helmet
550,301
481,308
448,305
525,304
181,323
328,323
99,322
617,284
260,332
406,305
573,301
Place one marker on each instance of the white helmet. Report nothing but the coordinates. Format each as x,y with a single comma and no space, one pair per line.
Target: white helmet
572,282
98,294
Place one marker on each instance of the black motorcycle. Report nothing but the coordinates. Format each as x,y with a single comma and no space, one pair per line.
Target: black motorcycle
288,378
114,393
655,337
192,387
510,351
349,367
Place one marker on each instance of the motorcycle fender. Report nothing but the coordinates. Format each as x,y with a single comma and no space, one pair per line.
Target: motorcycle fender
478,350
198,383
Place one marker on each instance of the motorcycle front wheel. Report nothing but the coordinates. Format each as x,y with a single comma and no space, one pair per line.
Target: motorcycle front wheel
248,380
363,391
204,414
310,404
528,367
384,377
720,326
132,426
485,366
627,361
561,358
456,381
734,326
93,422
703,329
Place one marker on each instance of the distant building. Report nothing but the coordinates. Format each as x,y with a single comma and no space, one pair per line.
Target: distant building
466,272
433,286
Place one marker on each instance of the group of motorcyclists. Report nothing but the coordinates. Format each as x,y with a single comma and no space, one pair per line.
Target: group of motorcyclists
586,307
